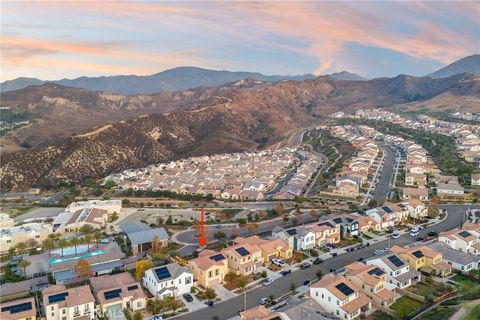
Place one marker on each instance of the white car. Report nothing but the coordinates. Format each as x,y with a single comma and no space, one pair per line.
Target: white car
414,234
278,262
267,281
395,236
263,301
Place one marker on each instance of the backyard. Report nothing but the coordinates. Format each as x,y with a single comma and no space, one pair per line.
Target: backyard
431,291
405,306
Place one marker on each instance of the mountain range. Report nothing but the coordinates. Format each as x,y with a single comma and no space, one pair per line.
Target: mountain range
469,64
74,133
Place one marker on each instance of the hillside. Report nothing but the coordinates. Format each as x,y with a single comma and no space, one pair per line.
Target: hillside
242,115
177,79
470,64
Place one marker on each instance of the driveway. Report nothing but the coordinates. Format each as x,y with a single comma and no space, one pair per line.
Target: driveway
223,293
194,305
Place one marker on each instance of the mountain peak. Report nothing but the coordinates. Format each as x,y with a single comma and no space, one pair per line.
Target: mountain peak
345,75
470,64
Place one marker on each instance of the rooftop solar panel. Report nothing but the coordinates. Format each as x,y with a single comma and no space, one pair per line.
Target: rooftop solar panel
464,234
18,308
134,287
325,224
343,288
418,254
57,297
112,294
242,251
162,273
292,232
376,271
396,261
387,209
337,220
218,257
276,318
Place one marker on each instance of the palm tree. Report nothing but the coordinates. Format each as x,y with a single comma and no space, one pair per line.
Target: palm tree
75,242
48,244
21,247
88,239
86,229
97,236
24,264
62,243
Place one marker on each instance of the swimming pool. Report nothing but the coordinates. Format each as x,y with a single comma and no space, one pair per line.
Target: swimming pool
68,251
87,255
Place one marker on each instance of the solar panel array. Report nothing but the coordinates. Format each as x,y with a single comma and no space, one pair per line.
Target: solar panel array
338,220
325,224
343,288
396,261
112,294
376,271
292,232
134,287
276,318
418,254
162,273
218,257
387,209
57,297
242,251
464,234
18,308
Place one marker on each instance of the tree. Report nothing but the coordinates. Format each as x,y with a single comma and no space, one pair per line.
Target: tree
372,204
141,267
88,239
252,227
62,243
32,243
209,197
300,199
319,274
210,293
114,216
220,235
24,264
21,247
86,229
97,236
83,269
48,244
137,316
109,184
280,209
75,242
292,286
242,221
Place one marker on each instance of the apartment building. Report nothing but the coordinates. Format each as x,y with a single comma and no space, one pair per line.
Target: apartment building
372,281
114,293
10,237
243,259
61,303
425,259
399,274
209,268
270,248
171,280
21,309
337,295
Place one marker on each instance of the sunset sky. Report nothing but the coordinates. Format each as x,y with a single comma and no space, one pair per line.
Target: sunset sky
54,40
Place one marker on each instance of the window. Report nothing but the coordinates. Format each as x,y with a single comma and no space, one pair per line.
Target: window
329,299
87,307
188,280
209,274
75,310
51,308
316,293
139,304
64,311
217,271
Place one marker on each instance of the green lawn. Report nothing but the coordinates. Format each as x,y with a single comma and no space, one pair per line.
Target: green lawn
405,306
472,313
432,290
439,313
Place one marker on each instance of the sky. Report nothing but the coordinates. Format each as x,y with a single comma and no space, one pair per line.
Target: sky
52,40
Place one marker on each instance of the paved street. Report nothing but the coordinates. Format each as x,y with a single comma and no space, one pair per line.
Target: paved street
383,185
230,308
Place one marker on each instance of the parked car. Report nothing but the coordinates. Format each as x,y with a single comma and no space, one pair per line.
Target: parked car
433,234
419,238
395,236
360,259
317,261
267,281
286,272
278,262
413,234
306,282
305,265
210,303
188,297
157,318
263,301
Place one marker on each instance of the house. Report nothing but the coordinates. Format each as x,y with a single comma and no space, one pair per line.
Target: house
170,280
415,208
372,281
337,295
325,232
423,258
466,239
61,303
415,179
475,180
414,193
10,237
73,221
399,274
459,260
270,248
114,293
367,224
21,309
297,238
260,313
384,216
305,309
141,237
243,259
401,211
209,268
449,190
349,226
